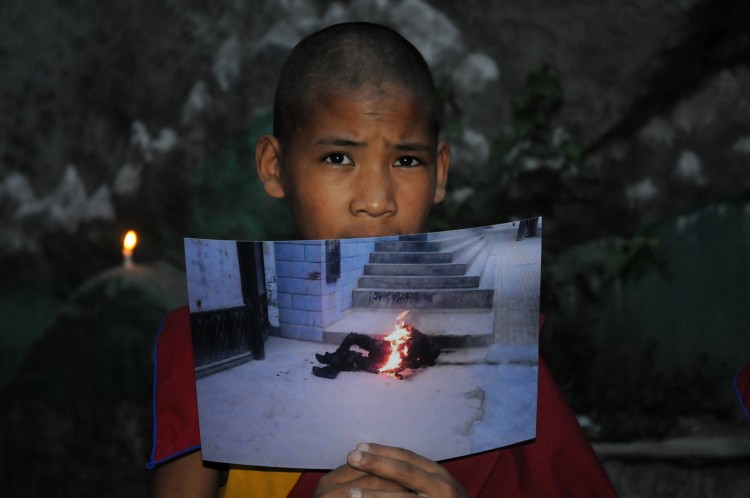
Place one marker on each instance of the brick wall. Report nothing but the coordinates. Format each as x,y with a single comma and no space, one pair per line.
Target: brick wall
355,253
307,303
299,269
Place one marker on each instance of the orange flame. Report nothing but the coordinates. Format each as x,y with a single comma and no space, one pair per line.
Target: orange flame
399,349
129,243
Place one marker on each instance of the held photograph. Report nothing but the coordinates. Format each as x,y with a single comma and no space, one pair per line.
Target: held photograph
305,348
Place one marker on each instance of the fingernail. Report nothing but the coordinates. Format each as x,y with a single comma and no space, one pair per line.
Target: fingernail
363,447
355,493
355,457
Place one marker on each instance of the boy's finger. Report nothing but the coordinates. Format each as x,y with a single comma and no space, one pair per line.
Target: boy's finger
410,470
375,483
398,465
401,454
345,473
340,482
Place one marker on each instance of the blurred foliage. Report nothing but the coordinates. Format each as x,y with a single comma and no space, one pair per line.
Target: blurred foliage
451,122
586,268
537,167
534,168
226,198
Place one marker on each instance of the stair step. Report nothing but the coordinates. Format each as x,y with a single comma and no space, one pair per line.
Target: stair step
418,282
453,249
411,257
414,237
476,262
422,298
433,245
398,269
409,246
451,329
448,234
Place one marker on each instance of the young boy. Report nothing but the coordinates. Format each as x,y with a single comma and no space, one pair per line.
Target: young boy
355,153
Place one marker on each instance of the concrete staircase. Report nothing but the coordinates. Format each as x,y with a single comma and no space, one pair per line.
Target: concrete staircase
424,274
438,277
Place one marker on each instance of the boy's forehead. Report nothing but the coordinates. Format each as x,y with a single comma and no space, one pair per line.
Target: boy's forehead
349,95
369,98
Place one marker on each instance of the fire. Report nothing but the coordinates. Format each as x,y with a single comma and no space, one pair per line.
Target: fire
129,242
399,348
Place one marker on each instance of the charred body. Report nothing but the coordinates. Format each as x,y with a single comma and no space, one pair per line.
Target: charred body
373,354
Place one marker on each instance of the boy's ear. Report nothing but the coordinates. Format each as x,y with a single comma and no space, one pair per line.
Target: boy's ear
443,163
268,164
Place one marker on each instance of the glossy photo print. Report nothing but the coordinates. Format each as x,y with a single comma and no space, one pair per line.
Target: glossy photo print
305,348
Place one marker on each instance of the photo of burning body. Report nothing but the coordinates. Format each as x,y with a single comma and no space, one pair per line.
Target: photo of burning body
305,348
405,347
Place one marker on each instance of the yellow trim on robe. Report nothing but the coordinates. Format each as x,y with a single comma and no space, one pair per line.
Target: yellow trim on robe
258,484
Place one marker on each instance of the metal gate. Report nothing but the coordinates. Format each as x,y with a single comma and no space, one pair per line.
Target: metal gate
227,337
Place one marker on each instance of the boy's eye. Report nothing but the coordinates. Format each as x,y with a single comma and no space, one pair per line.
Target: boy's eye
338,158
407,162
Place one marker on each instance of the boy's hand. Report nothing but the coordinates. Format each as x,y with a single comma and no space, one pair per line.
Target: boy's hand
412,472
340,482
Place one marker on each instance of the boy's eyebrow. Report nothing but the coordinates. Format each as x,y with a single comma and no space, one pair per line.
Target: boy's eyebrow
340,142
405,147
414,147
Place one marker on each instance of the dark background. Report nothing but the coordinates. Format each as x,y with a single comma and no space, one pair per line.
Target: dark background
624,123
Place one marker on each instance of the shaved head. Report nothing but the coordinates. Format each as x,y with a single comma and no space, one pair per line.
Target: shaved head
349,56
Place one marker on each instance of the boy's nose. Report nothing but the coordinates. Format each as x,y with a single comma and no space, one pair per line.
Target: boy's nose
374,194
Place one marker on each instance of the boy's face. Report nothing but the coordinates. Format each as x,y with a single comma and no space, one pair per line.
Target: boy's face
365,163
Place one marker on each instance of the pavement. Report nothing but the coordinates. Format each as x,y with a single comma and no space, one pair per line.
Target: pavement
517,274
275,413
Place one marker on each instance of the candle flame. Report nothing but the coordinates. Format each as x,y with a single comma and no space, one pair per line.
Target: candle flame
129,242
